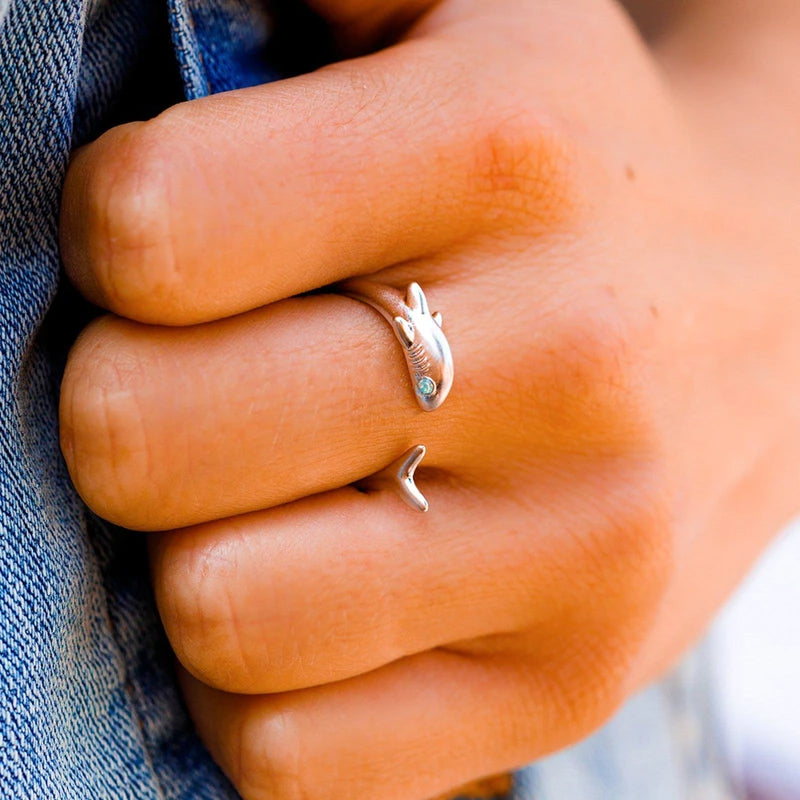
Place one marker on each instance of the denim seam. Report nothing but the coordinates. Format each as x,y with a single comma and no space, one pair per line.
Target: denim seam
187,50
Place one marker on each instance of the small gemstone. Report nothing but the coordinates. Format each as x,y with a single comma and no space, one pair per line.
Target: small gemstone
426,387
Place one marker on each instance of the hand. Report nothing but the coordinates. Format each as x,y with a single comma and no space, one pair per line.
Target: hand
618,444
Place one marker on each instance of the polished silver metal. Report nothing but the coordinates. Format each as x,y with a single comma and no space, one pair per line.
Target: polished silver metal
399,476
427,351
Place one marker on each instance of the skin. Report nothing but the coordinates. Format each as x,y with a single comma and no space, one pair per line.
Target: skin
609,228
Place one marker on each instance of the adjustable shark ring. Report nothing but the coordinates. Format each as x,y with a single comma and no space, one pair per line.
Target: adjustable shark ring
427,352
399,476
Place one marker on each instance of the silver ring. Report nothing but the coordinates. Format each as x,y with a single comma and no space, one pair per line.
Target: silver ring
427,351
399,476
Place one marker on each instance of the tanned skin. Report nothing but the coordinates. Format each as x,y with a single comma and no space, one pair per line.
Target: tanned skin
608,223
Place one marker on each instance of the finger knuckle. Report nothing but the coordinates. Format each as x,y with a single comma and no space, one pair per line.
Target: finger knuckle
271,765
523,171
135,253
587,686
592,346
203,614
579,377
622,558
620,565
638,555
104,431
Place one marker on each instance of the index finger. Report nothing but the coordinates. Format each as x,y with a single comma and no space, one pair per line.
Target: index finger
228,203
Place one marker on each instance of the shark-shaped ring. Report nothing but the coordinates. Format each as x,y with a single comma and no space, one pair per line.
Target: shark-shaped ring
427,351
399,476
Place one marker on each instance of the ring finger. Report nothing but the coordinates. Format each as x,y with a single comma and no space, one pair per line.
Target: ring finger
342,583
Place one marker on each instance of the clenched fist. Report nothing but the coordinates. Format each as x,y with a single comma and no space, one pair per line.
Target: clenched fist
610,233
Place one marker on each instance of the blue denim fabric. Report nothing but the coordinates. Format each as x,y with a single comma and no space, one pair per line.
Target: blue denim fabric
88,703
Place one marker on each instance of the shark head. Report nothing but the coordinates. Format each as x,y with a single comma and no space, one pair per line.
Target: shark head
427,351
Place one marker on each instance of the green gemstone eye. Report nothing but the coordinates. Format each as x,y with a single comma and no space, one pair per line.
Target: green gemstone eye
426,387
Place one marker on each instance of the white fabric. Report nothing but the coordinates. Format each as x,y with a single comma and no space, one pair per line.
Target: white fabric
756,647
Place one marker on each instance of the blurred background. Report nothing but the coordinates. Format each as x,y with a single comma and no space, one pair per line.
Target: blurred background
756,648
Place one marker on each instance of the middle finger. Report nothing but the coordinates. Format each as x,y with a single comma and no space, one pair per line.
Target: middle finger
164,428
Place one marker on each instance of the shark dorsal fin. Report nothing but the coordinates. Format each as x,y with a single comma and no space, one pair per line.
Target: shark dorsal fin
415,299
